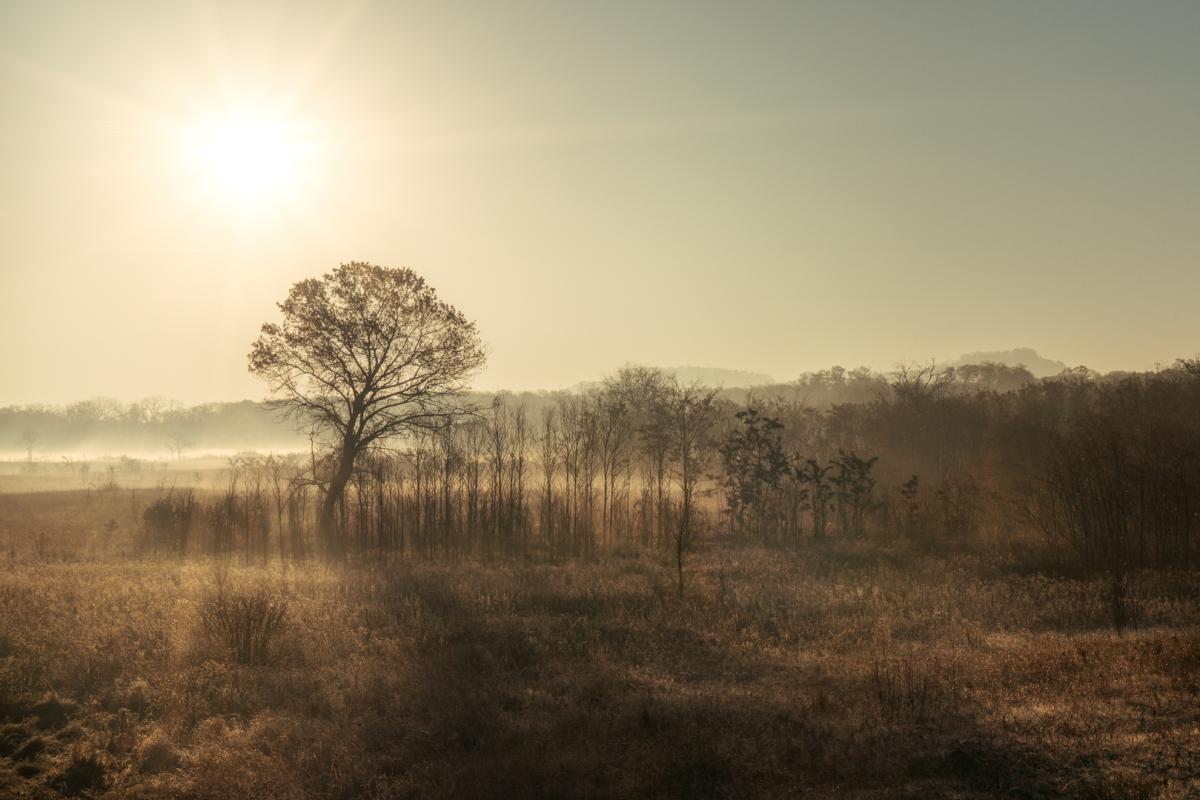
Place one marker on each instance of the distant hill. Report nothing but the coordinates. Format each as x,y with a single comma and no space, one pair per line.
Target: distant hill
714,376
1021,356
710,376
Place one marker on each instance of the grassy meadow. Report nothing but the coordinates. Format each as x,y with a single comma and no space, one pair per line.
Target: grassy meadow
845,669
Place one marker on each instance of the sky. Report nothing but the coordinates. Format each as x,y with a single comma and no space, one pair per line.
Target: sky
775,187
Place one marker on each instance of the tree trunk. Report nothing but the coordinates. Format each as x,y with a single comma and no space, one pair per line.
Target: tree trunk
679,564
337,488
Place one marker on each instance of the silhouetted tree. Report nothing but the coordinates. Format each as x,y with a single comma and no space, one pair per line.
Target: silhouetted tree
691,414
178,441
853,484
365,354
753,464
29,440
819,492
644,391
910,493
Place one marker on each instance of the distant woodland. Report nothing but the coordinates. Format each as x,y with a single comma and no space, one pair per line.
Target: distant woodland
155,427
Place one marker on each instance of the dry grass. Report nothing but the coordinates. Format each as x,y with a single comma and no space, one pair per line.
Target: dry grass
848,671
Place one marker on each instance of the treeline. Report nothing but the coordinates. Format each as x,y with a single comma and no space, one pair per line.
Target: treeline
617,468
1107,470
146,427
160,427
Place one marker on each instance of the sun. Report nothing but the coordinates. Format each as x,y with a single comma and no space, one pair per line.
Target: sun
247,160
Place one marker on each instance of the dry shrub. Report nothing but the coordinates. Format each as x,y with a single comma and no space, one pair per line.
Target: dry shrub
96,663
118,734
244,620
84,771
13,737
52,712
157,754
909,690
209,689
136,695
167,522
30,749
1124,604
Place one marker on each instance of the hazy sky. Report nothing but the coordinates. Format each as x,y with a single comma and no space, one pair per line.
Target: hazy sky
775,187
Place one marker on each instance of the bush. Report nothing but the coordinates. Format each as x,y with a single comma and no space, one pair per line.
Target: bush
157,754
202,694
137,696
911,692
85,771
1124,605
52,712
166,524
243,620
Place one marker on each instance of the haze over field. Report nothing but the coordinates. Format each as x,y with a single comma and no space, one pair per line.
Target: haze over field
676,183
156,428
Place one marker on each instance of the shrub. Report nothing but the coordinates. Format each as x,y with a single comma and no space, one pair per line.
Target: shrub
909,692
12,738
1124,606
85,770
167,523
52,712
199,695
30,749
137,696
243,620
157,754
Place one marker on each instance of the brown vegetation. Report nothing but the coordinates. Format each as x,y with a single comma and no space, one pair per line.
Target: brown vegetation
941,592
845,670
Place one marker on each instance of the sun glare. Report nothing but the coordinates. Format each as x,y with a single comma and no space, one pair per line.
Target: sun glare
246,160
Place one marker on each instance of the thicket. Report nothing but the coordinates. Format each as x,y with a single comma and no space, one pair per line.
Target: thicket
1106,470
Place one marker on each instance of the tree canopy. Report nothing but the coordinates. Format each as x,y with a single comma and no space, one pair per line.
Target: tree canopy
364,354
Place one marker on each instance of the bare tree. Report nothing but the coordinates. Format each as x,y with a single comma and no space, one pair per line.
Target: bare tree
283,472
614,432
365,354
916,382
692,415
518,457
178,442
29,439
498,442
547,448
642,393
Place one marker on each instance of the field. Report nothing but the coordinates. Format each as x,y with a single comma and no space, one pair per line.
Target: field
861,669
